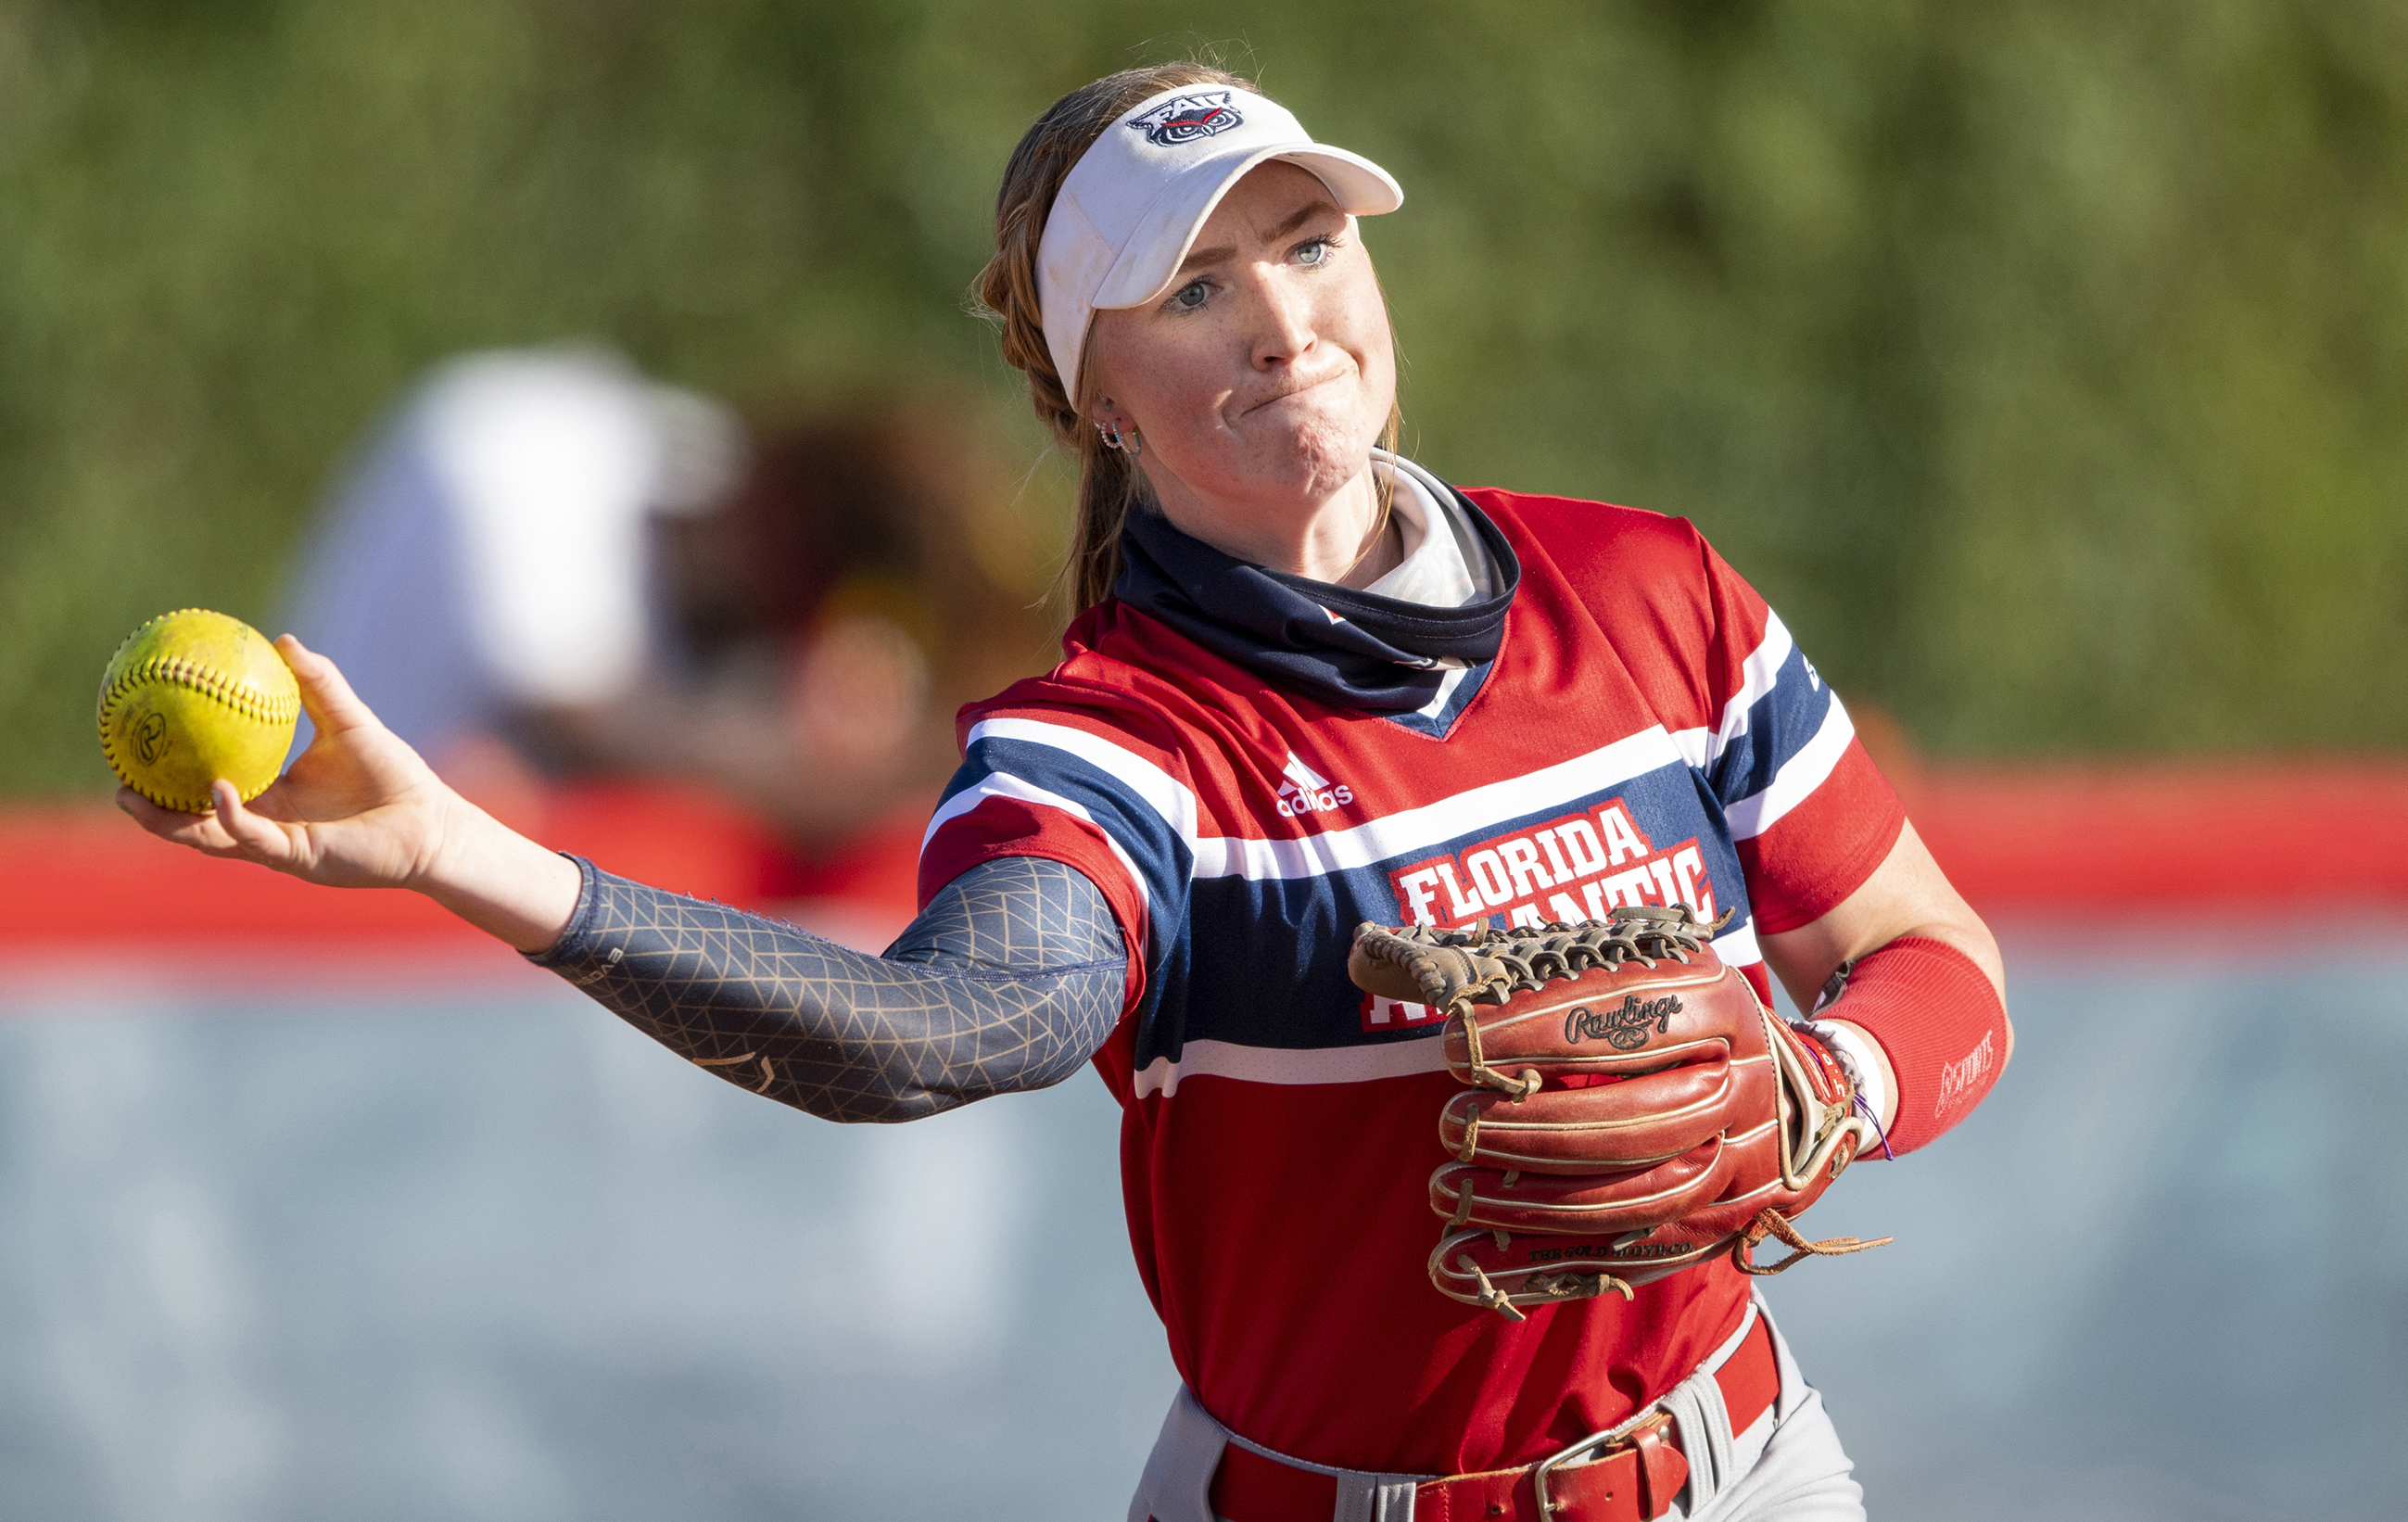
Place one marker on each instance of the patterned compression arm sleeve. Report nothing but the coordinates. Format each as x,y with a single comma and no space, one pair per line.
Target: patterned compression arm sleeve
1010,979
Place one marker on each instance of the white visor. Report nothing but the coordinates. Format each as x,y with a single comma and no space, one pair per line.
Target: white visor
1130,208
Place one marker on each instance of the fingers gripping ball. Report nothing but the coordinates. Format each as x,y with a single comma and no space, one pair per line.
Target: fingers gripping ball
192,697
1631,1108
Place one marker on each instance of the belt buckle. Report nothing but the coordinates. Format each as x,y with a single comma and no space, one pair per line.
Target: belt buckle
1594,1446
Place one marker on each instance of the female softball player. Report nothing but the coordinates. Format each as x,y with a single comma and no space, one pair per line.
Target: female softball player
1311,684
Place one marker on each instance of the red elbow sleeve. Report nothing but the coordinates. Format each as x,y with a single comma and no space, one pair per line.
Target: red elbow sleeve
1939,1023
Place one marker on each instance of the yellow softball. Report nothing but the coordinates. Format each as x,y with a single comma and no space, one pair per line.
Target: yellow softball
192,697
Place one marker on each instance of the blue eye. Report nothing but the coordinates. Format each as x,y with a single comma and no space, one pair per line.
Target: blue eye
1188,297
1313,252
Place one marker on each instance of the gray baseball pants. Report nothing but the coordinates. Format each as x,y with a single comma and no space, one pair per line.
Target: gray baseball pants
1787,1467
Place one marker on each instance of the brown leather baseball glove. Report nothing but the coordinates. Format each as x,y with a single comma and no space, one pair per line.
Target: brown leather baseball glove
1634,1108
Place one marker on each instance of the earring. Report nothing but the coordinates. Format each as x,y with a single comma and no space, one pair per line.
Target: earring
1114,439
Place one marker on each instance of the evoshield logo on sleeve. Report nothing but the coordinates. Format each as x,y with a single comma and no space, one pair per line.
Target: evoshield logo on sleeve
1962,1078
1185,119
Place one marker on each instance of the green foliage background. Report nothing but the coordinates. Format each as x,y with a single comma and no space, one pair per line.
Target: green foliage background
2044,363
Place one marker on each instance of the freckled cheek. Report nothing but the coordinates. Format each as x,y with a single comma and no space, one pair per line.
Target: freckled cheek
1371,350
1375,353
1161,398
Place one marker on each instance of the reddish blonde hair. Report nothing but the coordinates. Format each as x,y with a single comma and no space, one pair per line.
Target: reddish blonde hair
1109,483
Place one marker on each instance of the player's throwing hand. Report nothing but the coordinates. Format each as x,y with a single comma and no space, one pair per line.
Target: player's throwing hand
361,809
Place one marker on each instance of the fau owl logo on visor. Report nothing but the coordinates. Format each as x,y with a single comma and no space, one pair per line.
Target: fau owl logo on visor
1183,119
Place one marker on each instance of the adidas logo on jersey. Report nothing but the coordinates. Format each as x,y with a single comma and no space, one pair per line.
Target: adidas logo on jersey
1304,791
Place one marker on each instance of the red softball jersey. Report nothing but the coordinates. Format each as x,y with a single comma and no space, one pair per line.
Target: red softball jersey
1646,733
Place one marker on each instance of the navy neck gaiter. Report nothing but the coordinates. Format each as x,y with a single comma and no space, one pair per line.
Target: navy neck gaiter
1348,649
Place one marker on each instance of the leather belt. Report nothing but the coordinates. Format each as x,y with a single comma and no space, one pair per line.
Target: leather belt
1631,1473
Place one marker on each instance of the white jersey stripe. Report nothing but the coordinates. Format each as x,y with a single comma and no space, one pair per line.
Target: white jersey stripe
1751,816
1758,676
1363,845
1339,1064
1433,824
1163,793
1002,785
1411,829
1737,947
1281,1065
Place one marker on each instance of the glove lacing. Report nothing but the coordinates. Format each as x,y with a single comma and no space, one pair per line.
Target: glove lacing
1489,966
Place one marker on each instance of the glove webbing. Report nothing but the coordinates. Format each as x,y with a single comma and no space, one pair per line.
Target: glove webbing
1500,963
1459,968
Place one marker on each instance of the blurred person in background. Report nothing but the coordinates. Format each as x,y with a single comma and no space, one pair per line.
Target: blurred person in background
550,566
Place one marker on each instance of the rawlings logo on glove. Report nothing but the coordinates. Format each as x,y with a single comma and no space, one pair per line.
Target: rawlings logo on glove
1633,1108
1625,1027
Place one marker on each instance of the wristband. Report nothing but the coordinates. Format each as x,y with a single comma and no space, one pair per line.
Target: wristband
1863,1067
1939,1020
